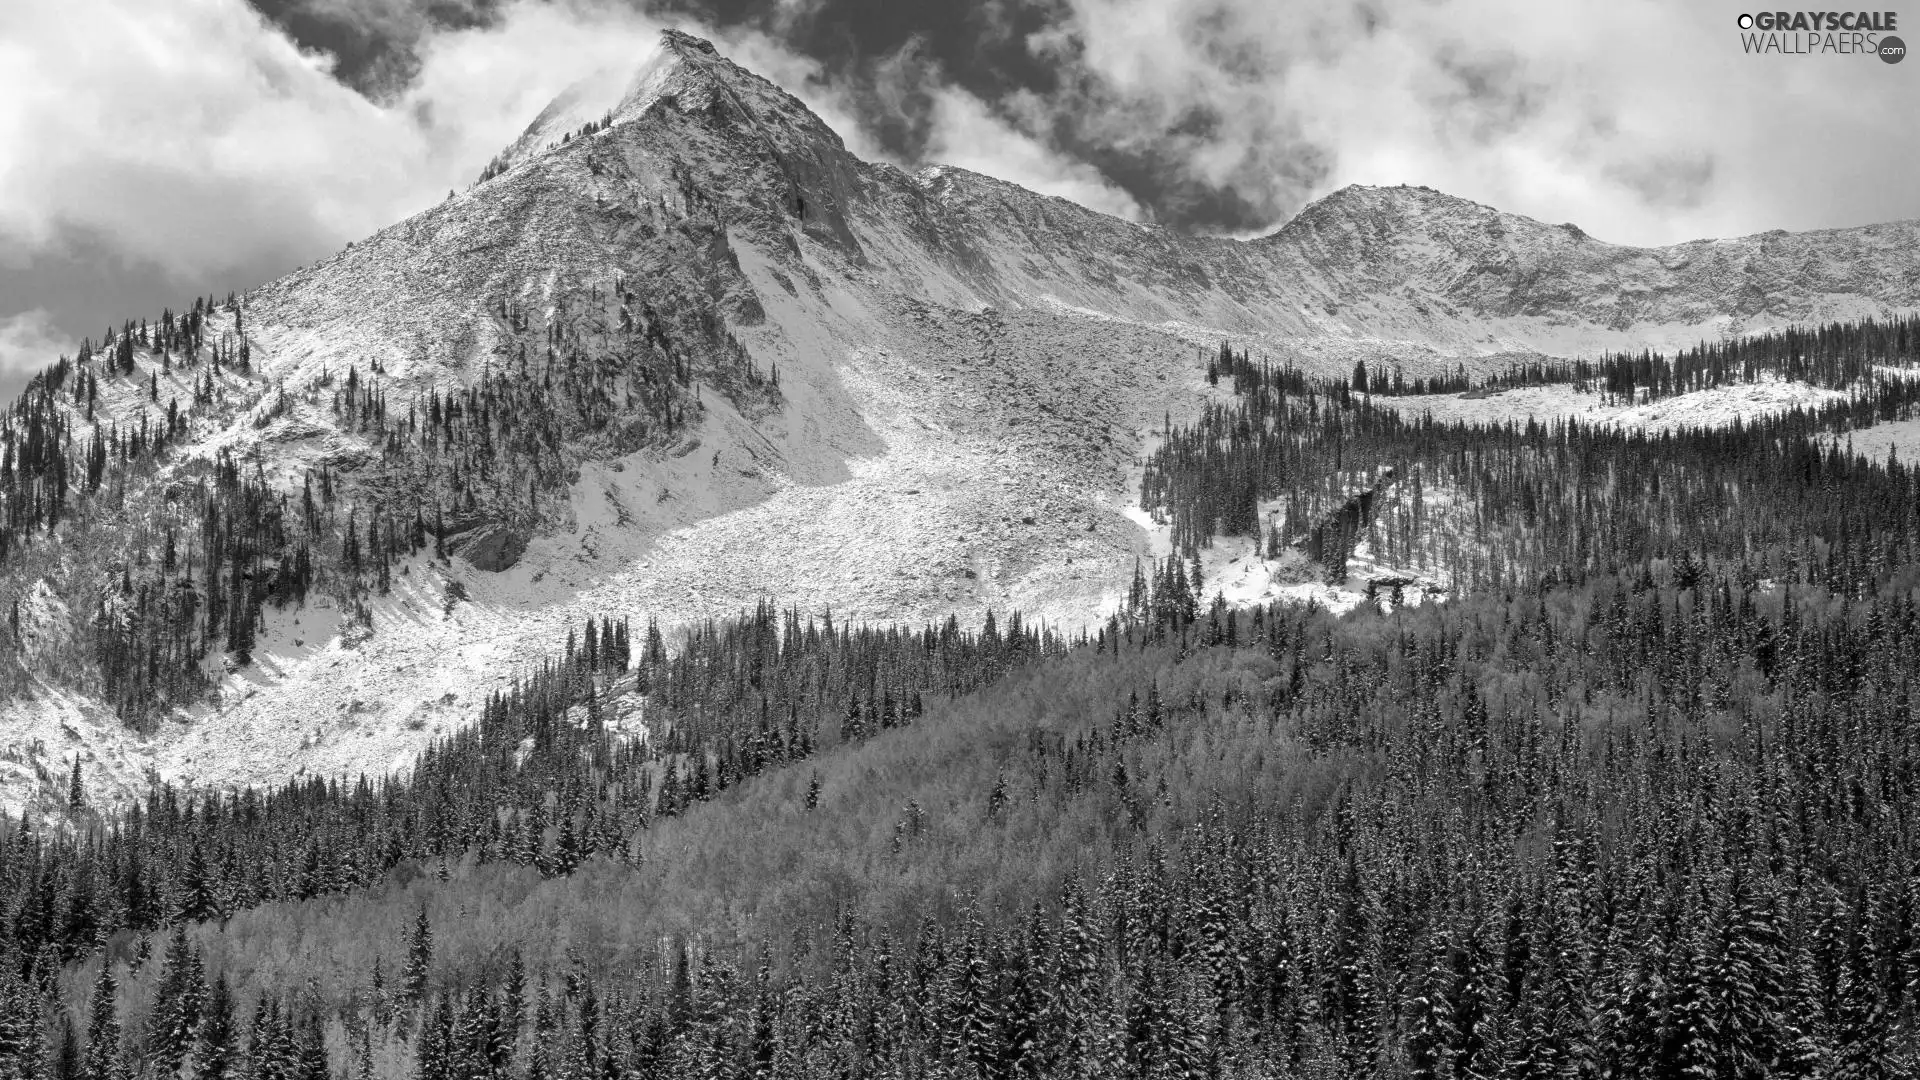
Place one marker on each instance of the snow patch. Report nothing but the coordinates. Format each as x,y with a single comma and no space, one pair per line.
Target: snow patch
1716,407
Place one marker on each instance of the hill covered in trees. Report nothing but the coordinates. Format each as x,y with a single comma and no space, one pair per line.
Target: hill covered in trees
1632,802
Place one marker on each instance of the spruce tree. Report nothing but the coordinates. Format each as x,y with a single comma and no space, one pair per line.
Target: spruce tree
419,966
433,1056
177,1006
102,1059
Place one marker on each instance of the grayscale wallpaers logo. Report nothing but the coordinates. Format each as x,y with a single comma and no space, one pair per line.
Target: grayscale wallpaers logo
1823,33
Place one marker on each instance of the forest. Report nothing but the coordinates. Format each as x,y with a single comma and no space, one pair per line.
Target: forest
1527,505
1636,800
1834,355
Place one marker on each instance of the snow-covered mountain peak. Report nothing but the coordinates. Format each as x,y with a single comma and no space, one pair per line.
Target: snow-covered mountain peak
1385,223
678,73
760,367
1404,198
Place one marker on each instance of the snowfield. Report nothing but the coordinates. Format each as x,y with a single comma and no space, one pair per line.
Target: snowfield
1716,407
1898,438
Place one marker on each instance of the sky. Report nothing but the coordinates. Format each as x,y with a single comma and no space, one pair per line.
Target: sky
155,150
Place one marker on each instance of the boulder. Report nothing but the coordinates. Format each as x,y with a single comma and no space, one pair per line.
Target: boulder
492,548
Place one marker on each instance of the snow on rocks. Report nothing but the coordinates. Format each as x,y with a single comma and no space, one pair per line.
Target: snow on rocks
968,371
1716,407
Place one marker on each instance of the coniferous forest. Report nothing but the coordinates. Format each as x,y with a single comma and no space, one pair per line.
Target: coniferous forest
1636,799
1837,356
184,547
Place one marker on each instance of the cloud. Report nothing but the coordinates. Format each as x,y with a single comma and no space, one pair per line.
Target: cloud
963,131
1182,103
1641,120
179,133
945,124
194,138
375,44
28,343
906,100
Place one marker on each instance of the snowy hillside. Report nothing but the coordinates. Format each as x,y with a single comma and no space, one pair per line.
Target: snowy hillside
966,373
1702,408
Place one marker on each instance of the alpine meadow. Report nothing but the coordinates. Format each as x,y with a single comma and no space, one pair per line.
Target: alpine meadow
697,604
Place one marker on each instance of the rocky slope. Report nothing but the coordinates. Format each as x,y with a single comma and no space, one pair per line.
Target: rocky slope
967,372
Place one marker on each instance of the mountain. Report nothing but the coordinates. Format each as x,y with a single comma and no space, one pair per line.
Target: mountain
476,502
680,352
1554,289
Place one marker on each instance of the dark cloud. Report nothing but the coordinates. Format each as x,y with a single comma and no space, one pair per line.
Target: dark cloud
58,298
894,99
1676,181
375,44
87,286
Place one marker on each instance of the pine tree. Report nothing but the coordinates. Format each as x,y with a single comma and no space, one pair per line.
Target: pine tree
66,1057
102,1059
977,997
197,900
513,994
419,967
177,1005
216,1051
22,1028
271,1052
311,1053
1432,1037
433,1059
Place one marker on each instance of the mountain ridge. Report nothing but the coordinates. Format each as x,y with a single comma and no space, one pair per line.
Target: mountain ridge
904,396
1467,281
1684,282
